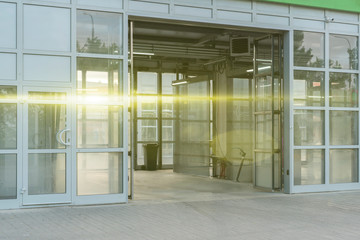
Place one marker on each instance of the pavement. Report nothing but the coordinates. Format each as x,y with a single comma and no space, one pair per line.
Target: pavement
210,215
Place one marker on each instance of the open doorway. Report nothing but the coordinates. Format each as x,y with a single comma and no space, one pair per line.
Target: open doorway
210,100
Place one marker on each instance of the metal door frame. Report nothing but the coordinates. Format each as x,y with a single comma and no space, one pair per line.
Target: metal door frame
273,111
47,198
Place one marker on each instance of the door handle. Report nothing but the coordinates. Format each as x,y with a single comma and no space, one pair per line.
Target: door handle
59,137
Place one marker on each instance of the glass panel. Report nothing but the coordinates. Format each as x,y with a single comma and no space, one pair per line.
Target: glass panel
309,166
99,173
263,168
167,153
8,119
8,25
308,88
263,93
343,90
343,165
343,128
168,130
147,130
343,52
168,107
309,50
241,88
99,126
99,32
45,121
140,154
7,65
263,131
47,173
8,175
7,92
147,106
147,83
99,80
46,28
192,148
167,79
308,127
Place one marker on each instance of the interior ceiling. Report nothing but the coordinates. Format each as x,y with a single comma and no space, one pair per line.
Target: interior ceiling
169,40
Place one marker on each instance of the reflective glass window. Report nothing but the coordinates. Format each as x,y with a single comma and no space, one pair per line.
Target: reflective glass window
99,32
308,88
309,127
309,166
8,175
343,128
99,80
343,90
99,126
343,165
99,173
309,50
343,52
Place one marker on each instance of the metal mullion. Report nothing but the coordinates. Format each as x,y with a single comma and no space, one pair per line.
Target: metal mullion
102,56
159,112
309,69
272,112
309,147
327,104
9,151
40,151
100,150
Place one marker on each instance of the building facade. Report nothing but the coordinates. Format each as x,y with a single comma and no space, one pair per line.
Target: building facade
64,99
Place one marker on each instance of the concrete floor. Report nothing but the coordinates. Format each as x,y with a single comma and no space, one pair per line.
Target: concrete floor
166,186
194,208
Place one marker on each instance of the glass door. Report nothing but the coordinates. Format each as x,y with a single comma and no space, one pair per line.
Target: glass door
268,100
46,147
192,134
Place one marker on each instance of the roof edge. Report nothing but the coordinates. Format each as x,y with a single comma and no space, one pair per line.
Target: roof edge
343,5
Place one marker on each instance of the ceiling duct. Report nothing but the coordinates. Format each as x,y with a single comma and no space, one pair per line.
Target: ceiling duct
239,46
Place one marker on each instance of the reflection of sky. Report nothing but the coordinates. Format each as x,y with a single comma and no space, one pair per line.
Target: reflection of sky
339,45
315,41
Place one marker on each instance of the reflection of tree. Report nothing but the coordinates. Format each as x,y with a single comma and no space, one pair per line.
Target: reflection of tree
304,57
95,45
8,126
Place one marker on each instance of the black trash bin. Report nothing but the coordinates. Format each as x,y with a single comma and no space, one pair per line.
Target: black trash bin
150,156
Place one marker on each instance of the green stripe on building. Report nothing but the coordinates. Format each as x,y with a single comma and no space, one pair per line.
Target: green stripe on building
344,5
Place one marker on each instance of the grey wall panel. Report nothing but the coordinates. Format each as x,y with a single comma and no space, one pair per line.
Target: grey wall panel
7,66
154,7
304,12
194,3
272,8
343,16
235,16
107,3
343,28
309,24
193,11
46,28
8,25
276,20
235,5
46,68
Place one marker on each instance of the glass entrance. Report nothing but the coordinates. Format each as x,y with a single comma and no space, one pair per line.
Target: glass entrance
46,147
192,151
268,101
